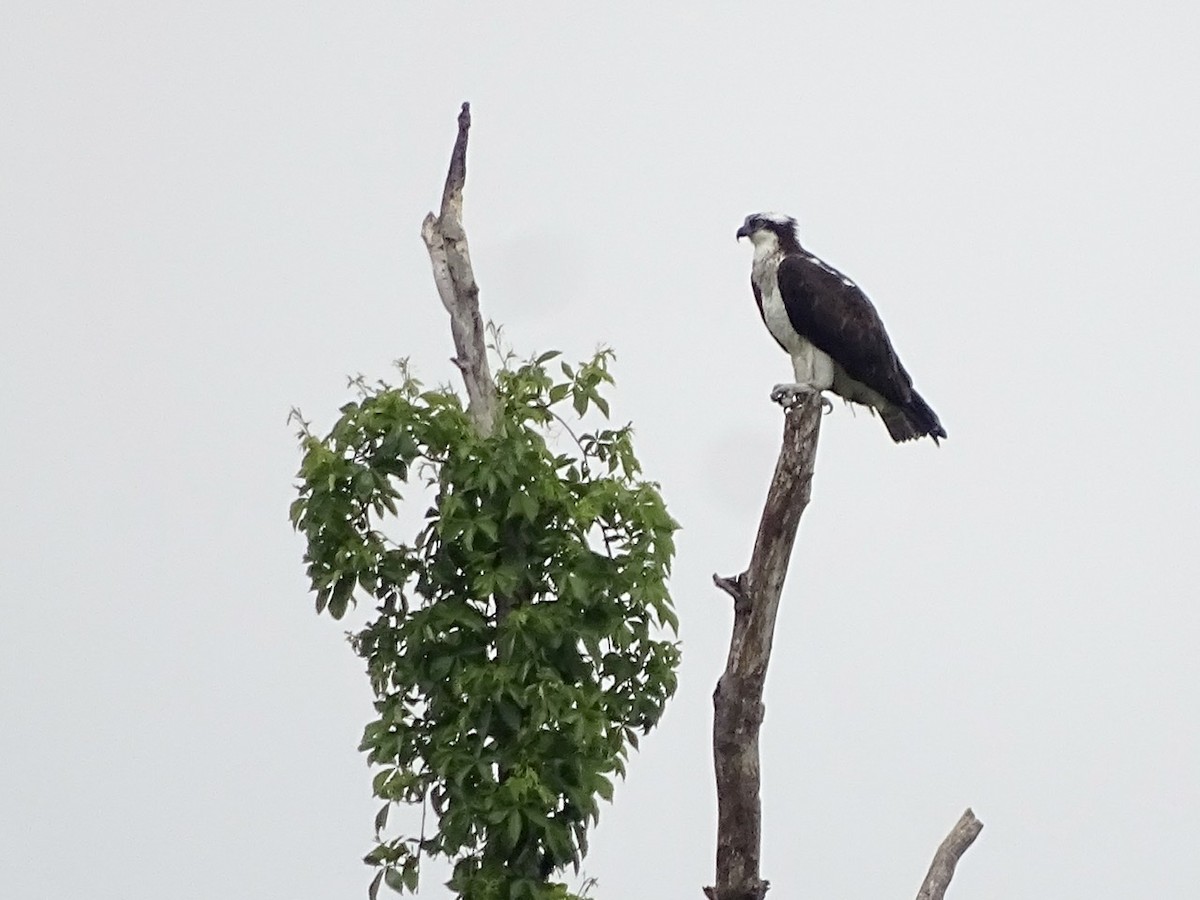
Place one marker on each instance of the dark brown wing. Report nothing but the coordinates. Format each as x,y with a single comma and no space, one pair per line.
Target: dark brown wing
831,311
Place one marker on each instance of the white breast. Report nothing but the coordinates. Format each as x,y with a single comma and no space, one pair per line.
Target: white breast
810,365
764,274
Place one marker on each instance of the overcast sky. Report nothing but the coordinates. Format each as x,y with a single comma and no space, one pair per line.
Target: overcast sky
210,212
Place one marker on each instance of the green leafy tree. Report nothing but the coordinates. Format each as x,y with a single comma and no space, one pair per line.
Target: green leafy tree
516,648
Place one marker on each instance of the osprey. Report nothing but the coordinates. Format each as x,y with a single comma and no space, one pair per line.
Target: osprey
830,329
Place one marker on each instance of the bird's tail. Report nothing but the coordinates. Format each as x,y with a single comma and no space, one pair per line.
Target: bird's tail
916,420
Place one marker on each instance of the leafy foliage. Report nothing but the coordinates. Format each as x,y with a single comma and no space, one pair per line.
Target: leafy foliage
514,652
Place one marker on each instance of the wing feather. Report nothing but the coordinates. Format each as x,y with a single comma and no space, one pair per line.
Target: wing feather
832,312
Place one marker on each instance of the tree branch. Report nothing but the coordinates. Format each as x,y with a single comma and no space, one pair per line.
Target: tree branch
446,240
961,836
737,701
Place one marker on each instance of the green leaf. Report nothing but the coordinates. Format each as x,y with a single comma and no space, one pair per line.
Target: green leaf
378,855
394,878
411,875
440,666
296,510
381,818
373,890
380,780
579,400
340,597
488,527
600,402
509,714
512,828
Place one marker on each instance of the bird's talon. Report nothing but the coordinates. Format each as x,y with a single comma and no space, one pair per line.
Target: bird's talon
792,395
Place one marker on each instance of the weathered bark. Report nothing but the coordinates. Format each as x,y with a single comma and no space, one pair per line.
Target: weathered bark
446,240
737,701
941,870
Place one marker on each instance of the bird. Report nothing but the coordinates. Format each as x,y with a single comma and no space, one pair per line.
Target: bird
832,332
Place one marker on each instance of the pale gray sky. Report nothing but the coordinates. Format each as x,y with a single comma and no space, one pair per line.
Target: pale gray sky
210,212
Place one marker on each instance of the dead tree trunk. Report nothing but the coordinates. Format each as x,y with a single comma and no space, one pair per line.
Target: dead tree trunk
941,870
737,701
446,240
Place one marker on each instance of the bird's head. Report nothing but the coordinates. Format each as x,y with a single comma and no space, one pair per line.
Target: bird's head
769,230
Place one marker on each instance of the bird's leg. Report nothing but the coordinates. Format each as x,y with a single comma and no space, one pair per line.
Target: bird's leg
814,375
789,395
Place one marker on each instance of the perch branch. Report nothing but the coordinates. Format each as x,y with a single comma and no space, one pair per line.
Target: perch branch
941,870
446,240
737,700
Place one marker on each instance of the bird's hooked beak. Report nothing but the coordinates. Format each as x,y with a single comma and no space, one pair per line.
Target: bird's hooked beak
744,231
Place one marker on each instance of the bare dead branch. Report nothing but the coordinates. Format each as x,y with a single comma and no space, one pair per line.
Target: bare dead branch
737,700
731,586
446,240
961,836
